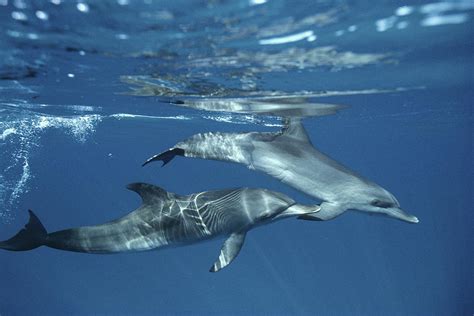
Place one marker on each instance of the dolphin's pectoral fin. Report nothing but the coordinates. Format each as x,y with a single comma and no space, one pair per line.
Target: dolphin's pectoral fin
326,212
229,251
148,192
300,211
165,156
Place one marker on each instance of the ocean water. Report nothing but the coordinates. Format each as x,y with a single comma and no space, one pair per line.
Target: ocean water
90,89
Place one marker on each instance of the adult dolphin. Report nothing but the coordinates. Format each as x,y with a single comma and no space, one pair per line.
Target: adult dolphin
169,219
289,156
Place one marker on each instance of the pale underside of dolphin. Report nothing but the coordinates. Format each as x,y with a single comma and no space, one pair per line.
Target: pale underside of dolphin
289,156
168,219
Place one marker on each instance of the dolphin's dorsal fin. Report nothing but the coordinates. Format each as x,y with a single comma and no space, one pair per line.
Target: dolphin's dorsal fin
293,127
148,192
230,250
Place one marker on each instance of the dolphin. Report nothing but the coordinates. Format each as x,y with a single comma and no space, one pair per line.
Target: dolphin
168,219
289,156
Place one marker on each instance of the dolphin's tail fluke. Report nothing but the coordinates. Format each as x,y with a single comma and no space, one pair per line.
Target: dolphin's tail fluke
32,236
166,156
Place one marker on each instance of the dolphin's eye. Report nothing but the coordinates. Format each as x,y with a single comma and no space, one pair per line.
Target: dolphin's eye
382,204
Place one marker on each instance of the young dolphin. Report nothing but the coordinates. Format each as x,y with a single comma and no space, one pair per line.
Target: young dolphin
169,219
289,156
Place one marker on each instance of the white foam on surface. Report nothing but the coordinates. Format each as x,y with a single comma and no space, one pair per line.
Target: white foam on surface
41,107
79,127
239,119
436,20
287,39
257,2
385,24
224,118
444,6
150,117
404,10
82,7
6,133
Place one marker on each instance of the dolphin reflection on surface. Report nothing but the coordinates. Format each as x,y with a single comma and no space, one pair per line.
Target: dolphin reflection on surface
168,219
289,156
283,106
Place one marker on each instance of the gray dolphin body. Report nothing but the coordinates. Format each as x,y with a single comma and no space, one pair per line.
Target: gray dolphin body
289,156
169,219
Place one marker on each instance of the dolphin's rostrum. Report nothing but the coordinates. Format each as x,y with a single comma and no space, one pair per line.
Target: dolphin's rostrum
289,156
169,219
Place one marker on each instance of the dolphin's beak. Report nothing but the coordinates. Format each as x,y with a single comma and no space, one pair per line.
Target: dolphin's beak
401,215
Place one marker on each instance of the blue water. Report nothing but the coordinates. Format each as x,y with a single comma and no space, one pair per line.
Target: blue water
86,93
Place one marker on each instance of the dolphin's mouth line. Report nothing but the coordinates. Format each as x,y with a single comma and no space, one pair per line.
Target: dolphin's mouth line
399,214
